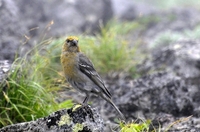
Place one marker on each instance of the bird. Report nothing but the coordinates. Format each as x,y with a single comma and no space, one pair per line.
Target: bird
81,74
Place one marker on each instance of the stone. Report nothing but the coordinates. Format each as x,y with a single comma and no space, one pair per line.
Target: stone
79,118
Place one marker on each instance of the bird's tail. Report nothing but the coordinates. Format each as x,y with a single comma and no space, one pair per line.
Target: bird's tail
122,116
111,102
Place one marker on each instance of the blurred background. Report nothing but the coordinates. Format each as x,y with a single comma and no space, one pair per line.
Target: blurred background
25,22
147,51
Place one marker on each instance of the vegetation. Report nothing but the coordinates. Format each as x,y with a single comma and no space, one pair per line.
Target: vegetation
34,79
111,51
136,127
168,37
174,3
30,90
28,93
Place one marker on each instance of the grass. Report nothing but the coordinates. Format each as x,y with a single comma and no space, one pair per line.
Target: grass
135,127
30,89
167,37
108,54
110,51
147,126
28,92
174,3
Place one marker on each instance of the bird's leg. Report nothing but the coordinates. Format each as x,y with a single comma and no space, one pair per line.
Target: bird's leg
86,99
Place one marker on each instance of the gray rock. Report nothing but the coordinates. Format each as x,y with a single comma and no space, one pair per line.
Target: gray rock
4,69
169,89
96,14
181,58
26,23
12,31
162,97
177,24
82,118
130,9
68,16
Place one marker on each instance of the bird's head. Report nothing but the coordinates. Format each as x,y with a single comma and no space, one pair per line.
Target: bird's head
71,44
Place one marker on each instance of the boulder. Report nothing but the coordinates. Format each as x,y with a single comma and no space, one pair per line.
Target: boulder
79,118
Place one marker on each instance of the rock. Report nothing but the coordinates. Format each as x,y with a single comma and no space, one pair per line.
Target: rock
79,118
69,17
169,86
178,24
181,58
4,69
160,93
172,124
163,90
26,23
96,14
12,31
131,10
34,17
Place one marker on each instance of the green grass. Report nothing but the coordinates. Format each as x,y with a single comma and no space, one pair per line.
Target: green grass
147,126
28,92
35,78
110,51
136,127
174,3
167,37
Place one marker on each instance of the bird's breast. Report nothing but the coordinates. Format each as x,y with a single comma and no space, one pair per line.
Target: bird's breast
69,64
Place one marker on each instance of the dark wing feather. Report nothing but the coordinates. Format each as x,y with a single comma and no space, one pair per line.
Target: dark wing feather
87,68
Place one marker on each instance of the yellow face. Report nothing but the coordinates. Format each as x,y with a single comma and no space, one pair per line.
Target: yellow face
71,38
71,44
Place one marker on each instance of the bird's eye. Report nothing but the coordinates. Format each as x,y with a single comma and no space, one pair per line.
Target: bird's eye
67,41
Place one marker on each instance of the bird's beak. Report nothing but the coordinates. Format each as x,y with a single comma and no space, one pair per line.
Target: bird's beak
74,42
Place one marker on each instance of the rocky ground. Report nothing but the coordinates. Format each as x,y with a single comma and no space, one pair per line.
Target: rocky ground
167,92
78,118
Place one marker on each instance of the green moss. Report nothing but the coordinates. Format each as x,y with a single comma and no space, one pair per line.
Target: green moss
136,127
65,119
78,127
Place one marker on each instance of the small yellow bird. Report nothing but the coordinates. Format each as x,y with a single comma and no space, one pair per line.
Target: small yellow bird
80,73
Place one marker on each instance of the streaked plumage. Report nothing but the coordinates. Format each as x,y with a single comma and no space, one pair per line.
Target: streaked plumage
81,74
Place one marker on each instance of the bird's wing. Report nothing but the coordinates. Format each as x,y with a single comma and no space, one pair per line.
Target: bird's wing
87,68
